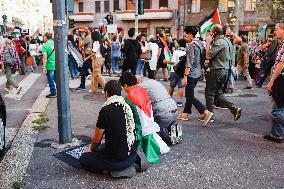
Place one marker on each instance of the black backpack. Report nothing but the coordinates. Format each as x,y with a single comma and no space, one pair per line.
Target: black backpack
278,90
179,68
201,47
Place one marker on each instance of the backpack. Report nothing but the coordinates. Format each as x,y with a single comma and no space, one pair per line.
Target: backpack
201,47
278,90
8,57
179,68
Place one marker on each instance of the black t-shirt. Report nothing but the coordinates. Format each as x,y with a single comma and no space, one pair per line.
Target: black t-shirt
112,119
162,55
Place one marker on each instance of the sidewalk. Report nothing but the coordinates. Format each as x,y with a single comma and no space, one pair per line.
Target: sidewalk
226,154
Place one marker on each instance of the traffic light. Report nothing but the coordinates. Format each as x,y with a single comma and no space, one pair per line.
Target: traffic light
4,18
140,7
109,19
71,23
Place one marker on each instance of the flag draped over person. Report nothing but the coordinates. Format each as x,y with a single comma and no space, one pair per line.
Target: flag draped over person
150,142
206,24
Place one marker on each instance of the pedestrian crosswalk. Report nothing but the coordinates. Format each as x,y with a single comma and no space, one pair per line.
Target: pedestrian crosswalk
26,84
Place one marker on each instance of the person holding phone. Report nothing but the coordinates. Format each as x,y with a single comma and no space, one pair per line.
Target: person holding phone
217,52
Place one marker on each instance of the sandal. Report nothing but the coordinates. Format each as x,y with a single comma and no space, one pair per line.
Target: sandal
182,117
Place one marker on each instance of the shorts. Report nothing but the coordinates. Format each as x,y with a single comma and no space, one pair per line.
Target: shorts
160,64
175,80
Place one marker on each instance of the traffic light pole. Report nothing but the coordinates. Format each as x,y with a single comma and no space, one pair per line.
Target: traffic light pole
136,17
62,82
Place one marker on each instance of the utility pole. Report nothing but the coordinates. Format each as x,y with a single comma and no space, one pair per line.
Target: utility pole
136,17
237,12
63,99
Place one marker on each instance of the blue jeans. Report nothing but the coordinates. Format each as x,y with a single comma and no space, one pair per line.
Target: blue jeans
114,64
51,78
278,122
140,67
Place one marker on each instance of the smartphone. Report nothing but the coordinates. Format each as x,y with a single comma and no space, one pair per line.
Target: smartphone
213,35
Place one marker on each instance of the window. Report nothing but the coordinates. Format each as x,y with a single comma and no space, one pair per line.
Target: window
115,5
250,5
163,3
163,30
223,5
195,6
98,6
147,4
81,7
106,6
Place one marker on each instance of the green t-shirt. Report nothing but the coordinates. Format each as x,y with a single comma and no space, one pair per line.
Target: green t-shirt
47,49
88,43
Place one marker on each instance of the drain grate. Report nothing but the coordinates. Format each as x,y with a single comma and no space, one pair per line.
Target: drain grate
94,97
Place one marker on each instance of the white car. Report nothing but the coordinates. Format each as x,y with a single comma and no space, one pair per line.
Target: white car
2,126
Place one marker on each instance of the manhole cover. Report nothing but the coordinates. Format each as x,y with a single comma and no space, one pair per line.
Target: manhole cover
94,97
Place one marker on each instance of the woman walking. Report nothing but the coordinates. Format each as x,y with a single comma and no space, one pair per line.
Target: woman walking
10,61
97,62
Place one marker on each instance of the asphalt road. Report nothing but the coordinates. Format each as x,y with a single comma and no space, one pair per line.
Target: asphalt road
226,154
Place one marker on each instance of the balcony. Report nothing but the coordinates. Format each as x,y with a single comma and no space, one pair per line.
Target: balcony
82,17
149,14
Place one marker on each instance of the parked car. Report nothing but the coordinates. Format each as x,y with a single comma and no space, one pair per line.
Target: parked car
2,126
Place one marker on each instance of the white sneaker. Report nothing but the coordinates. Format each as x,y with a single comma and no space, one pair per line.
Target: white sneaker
91,91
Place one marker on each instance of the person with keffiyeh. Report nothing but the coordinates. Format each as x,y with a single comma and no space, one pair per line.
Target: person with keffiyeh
10,61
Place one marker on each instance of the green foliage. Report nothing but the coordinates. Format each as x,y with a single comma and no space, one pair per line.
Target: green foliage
39,128
273,8
40,122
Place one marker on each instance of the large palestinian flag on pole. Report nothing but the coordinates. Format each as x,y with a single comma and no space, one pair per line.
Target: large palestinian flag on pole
206,24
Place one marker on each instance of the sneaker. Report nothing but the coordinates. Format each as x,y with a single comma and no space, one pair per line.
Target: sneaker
182,117
91,91
218,107
7,90
207,118
19,89
237,112
179,104
273,138
51,96
80,89
103,92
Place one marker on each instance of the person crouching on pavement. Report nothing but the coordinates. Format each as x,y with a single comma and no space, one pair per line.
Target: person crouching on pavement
275,87
48,64
117,123
165,110
152,144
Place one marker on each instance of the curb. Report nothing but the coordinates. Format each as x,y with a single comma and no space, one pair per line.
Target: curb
15,162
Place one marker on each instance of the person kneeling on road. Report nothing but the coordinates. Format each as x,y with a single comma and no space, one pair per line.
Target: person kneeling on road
117,123
165,110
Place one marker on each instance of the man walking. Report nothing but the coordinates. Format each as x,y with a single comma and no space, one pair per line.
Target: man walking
276,83
48,64
86,47
217,51
243,61
132,51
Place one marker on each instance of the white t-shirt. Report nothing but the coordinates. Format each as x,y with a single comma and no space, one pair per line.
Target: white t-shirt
33,49
176,55
97,49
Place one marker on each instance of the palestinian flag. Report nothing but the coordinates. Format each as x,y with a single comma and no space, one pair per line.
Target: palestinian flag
146,128
104,33
206,24
121,34
261,29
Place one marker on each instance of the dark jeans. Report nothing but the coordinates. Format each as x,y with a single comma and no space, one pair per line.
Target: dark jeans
214,87
23,65
266,71
278,122
51,77
130,65
190,98
96,162
84,72
73,69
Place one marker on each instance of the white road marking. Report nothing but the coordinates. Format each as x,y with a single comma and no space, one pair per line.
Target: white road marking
26,84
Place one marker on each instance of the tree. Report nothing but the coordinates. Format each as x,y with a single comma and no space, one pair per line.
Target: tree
273,8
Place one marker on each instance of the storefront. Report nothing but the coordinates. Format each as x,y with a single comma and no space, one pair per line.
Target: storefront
249,30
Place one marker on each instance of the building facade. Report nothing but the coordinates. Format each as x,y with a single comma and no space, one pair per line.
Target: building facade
170,16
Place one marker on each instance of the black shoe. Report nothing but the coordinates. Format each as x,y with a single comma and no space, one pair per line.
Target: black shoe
272,139
247,88
237,112
80,89
51,96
